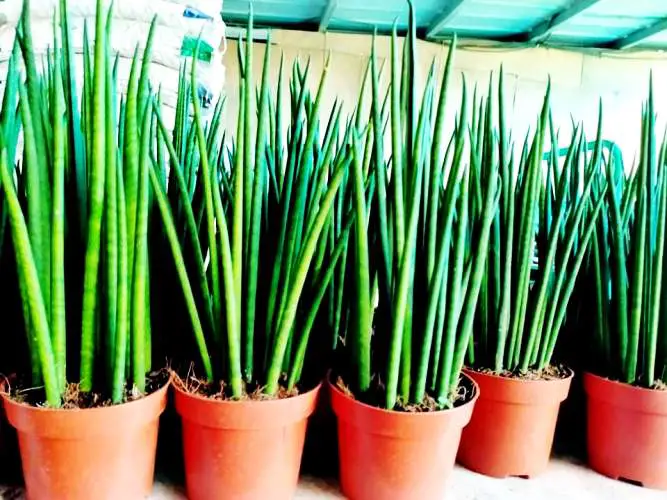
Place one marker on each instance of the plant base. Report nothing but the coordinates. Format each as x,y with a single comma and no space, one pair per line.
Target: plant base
627,432
396,455
101,453
512,428
243,449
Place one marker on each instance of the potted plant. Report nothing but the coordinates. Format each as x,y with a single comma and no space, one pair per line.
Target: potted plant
539,241
627,401
417,255
77,209
265,202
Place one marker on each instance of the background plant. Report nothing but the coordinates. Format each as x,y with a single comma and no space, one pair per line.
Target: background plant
250,223
539,239
626,265
78,209
418,269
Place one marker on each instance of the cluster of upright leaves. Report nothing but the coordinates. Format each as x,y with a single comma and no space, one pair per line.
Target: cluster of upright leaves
540,235
261,208
78,209
419,207
626,265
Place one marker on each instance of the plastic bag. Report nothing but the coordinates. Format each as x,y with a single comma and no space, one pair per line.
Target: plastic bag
179,25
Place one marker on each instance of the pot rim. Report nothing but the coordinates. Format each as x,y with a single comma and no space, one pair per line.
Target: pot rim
467,370
248,402
9,401
424,414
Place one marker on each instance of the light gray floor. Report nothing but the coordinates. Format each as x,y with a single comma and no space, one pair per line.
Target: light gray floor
565,480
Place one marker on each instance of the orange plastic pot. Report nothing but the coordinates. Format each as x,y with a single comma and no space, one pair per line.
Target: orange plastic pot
101,453
512,428
396,455
243,449
627,431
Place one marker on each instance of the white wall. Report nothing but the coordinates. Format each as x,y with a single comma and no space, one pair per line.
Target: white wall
579,80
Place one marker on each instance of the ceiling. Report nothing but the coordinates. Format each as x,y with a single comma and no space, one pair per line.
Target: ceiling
606,24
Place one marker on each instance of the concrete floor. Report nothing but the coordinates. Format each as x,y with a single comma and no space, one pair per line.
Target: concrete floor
565,480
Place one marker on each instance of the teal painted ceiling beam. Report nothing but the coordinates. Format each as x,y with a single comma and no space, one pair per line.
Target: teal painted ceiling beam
327,15
636,37
546,27
599,24
437,25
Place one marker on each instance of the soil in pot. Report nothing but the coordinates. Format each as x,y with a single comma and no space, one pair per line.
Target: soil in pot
248,449
512,428
104,452
627,431
398,454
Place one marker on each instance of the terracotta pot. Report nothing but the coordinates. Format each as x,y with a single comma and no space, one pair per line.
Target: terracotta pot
105,453
512,428
397,455
243,449
627,431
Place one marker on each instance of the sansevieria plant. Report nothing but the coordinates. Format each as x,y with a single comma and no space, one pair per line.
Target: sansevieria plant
78,208
547,215
541,231
626,266
418,252
248,218
626,362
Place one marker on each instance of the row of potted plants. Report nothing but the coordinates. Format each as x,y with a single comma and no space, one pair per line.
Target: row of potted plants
424,276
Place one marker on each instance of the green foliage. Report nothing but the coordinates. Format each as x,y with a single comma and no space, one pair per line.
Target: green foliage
411,318
540,236
261,208
626,266
78,212
414,249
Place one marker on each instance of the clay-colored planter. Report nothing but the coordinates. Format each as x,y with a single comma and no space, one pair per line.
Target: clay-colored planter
390,455
101,453
512,428
627,431
243,449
